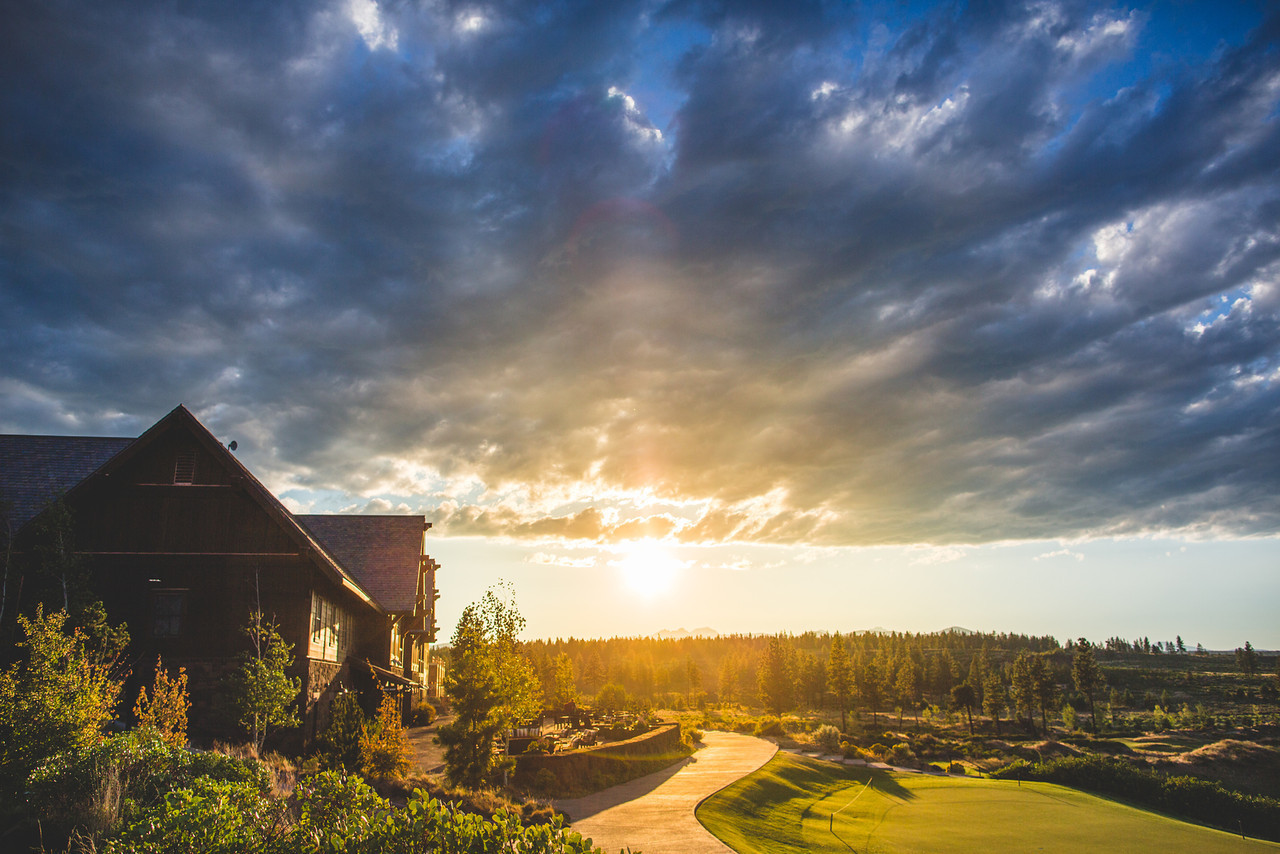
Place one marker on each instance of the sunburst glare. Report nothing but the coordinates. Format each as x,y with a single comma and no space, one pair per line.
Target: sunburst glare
648,568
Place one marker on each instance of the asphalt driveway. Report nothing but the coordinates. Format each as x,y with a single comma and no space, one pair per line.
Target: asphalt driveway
654,814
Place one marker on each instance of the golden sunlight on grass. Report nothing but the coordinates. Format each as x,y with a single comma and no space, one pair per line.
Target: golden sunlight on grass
648,568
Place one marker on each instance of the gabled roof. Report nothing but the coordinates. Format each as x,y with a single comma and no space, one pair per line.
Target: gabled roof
34,470
382,552
182,418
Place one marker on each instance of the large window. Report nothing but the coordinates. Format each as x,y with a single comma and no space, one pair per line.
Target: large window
166,613
330,629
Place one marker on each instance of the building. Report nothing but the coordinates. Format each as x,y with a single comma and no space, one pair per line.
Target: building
181,542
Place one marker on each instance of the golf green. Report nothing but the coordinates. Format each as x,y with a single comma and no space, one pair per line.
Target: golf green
788,805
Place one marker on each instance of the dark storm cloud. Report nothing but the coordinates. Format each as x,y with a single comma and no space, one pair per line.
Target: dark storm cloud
879,280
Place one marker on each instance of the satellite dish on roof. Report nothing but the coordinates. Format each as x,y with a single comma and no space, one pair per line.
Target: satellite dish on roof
232,446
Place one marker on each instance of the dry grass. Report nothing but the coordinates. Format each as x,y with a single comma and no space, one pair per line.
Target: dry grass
1244,765
284,773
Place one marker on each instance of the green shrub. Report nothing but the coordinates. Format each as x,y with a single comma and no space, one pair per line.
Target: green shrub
383,750
59,698
211,817
827,738
770,725
335,814
546,781
93,787
338,747
423,714
1189,797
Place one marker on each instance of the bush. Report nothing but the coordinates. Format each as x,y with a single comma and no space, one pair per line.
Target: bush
212,817
334,814
546,781
1189,797
58,699
956,768
383,750
92,788
827,738
423,714
338,747
770,725
165,708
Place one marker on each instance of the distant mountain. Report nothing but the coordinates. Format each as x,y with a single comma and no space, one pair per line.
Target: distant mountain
960,630
682,632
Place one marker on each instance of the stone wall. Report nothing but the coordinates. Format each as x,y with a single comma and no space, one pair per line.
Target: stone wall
592,768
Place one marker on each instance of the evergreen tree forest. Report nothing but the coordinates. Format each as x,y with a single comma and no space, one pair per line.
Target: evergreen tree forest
1036,679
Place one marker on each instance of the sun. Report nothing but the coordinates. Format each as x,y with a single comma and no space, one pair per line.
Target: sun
648,568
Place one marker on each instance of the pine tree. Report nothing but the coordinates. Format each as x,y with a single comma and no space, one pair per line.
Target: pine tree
1087,677
994,699
840,678
776,677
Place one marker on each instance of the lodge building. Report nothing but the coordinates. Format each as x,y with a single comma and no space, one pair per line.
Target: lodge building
182,543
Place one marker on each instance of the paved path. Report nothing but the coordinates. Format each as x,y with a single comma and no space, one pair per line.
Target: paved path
654,814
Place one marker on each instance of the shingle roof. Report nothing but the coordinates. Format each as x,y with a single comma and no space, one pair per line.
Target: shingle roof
34,470
382,553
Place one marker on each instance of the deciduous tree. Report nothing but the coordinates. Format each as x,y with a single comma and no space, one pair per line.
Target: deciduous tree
262,690
165,708
491,686
58,699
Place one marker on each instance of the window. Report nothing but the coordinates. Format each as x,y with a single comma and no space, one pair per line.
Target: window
166,613
397,643
330,629
184,467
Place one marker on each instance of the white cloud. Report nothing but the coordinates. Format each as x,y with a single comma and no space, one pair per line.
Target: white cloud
373,28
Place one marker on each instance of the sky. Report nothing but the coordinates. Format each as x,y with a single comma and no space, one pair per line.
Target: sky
752,316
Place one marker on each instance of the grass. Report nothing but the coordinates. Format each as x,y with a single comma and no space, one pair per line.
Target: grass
787,805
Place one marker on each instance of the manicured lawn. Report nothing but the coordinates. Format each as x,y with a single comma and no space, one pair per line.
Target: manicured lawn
786,806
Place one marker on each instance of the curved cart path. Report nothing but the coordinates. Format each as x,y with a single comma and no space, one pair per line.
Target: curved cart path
654,814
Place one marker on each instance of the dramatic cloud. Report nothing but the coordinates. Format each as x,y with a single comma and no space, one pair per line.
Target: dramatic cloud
693,270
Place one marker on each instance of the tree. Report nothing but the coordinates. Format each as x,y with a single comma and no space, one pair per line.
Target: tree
262,691
491,686
1247,659
906,687
1022,689
60,698
994,698
165,709
611,697
1087,677
727,680
383,751
564,683
694,674
339,744
869,682
777,681
963,696
1046,690
840,678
